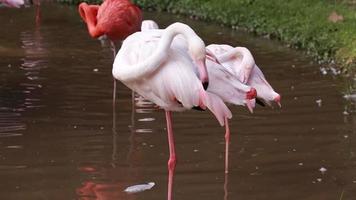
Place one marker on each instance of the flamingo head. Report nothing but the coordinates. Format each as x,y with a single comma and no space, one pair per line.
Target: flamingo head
198,54
148,25
265,92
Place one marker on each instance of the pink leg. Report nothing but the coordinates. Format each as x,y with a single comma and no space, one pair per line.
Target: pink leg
172,154
225,187
38,15
227,142
114,93
113,48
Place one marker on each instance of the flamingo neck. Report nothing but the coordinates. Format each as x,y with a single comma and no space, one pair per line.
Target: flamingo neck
152,63
88,14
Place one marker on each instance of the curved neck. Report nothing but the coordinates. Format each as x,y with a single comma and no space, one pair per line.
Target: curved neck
152,63
247,60
88,14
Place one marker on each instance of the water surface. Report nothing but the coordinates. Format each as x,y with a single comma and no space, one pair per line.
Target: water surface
56,123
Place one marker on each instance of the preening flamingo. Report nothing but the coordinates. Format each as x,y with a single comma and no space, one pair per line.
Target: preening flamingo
13,3
222,82
148,25
116,19
241,63
149,64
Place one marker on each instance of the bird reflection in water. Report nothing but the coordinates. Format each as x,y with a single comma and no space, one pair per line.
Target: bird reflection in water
108,181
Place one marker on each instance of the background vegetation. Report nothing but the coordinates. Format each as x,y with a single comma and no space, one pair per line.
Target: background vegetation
304,24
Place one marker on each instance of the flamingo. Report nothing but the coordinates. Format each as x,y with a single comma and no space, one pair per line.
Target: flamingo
13,3
222,82
173,79
240,62
116,19
148,25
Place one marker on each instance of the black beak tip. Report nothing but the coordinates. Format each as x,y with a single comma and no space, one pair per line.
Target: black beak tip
205,85
260,102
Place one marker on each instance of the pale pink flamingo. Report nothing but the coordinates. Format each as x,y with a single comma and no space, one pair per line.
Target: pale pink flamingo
148,25
239,61
171,78
222,82
13,3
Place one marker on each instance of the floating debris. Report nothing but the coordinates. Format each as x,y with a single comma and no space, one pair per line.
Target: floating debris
323,71
319,179
300,164
95,70
345,112
350,97
319,101
323,170
139,188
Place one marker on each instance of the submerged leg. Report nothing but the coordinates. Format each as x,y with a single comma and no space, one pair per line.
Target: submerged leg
113,48
172,154
227,142
226,192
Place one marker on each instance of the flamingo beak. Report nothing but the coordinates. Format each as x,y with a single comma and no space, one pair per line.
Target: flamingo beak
203,73
277,99
250,104
260,102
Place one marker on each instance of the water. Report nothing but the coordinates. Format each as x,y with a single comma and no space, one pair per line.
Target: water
56,123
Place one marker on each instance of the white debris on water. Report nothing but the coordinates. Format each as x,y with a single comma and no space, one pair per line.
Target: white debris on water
319,179
323,170
332,70
345,113
346,136
350,97
318,101
139,188
195,150
300,164
95,70
323,71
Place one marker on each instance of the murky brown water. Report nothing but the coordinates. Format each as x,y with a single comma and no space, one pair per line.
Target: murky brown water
57,142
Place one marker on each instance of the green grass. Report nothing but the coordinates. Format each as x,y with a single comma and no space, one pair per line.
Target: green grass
301,24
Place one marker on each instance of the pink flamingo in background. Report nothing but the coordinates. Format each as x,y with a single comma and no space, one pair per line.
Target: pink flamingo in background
116,19
13,3
148,64
241,63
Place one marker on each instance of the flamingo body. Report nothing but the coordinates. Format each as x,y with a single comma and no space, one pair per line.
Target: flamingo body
115,18
240,62
13,3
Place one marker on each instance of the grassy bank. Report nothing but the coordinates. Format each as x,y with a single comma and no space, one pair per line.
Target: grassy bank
302,24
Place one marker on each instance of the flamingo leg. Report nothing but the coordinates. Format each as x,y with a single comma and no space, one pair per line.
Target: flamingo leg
227,142
172,154
113,48
114,155
225,187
